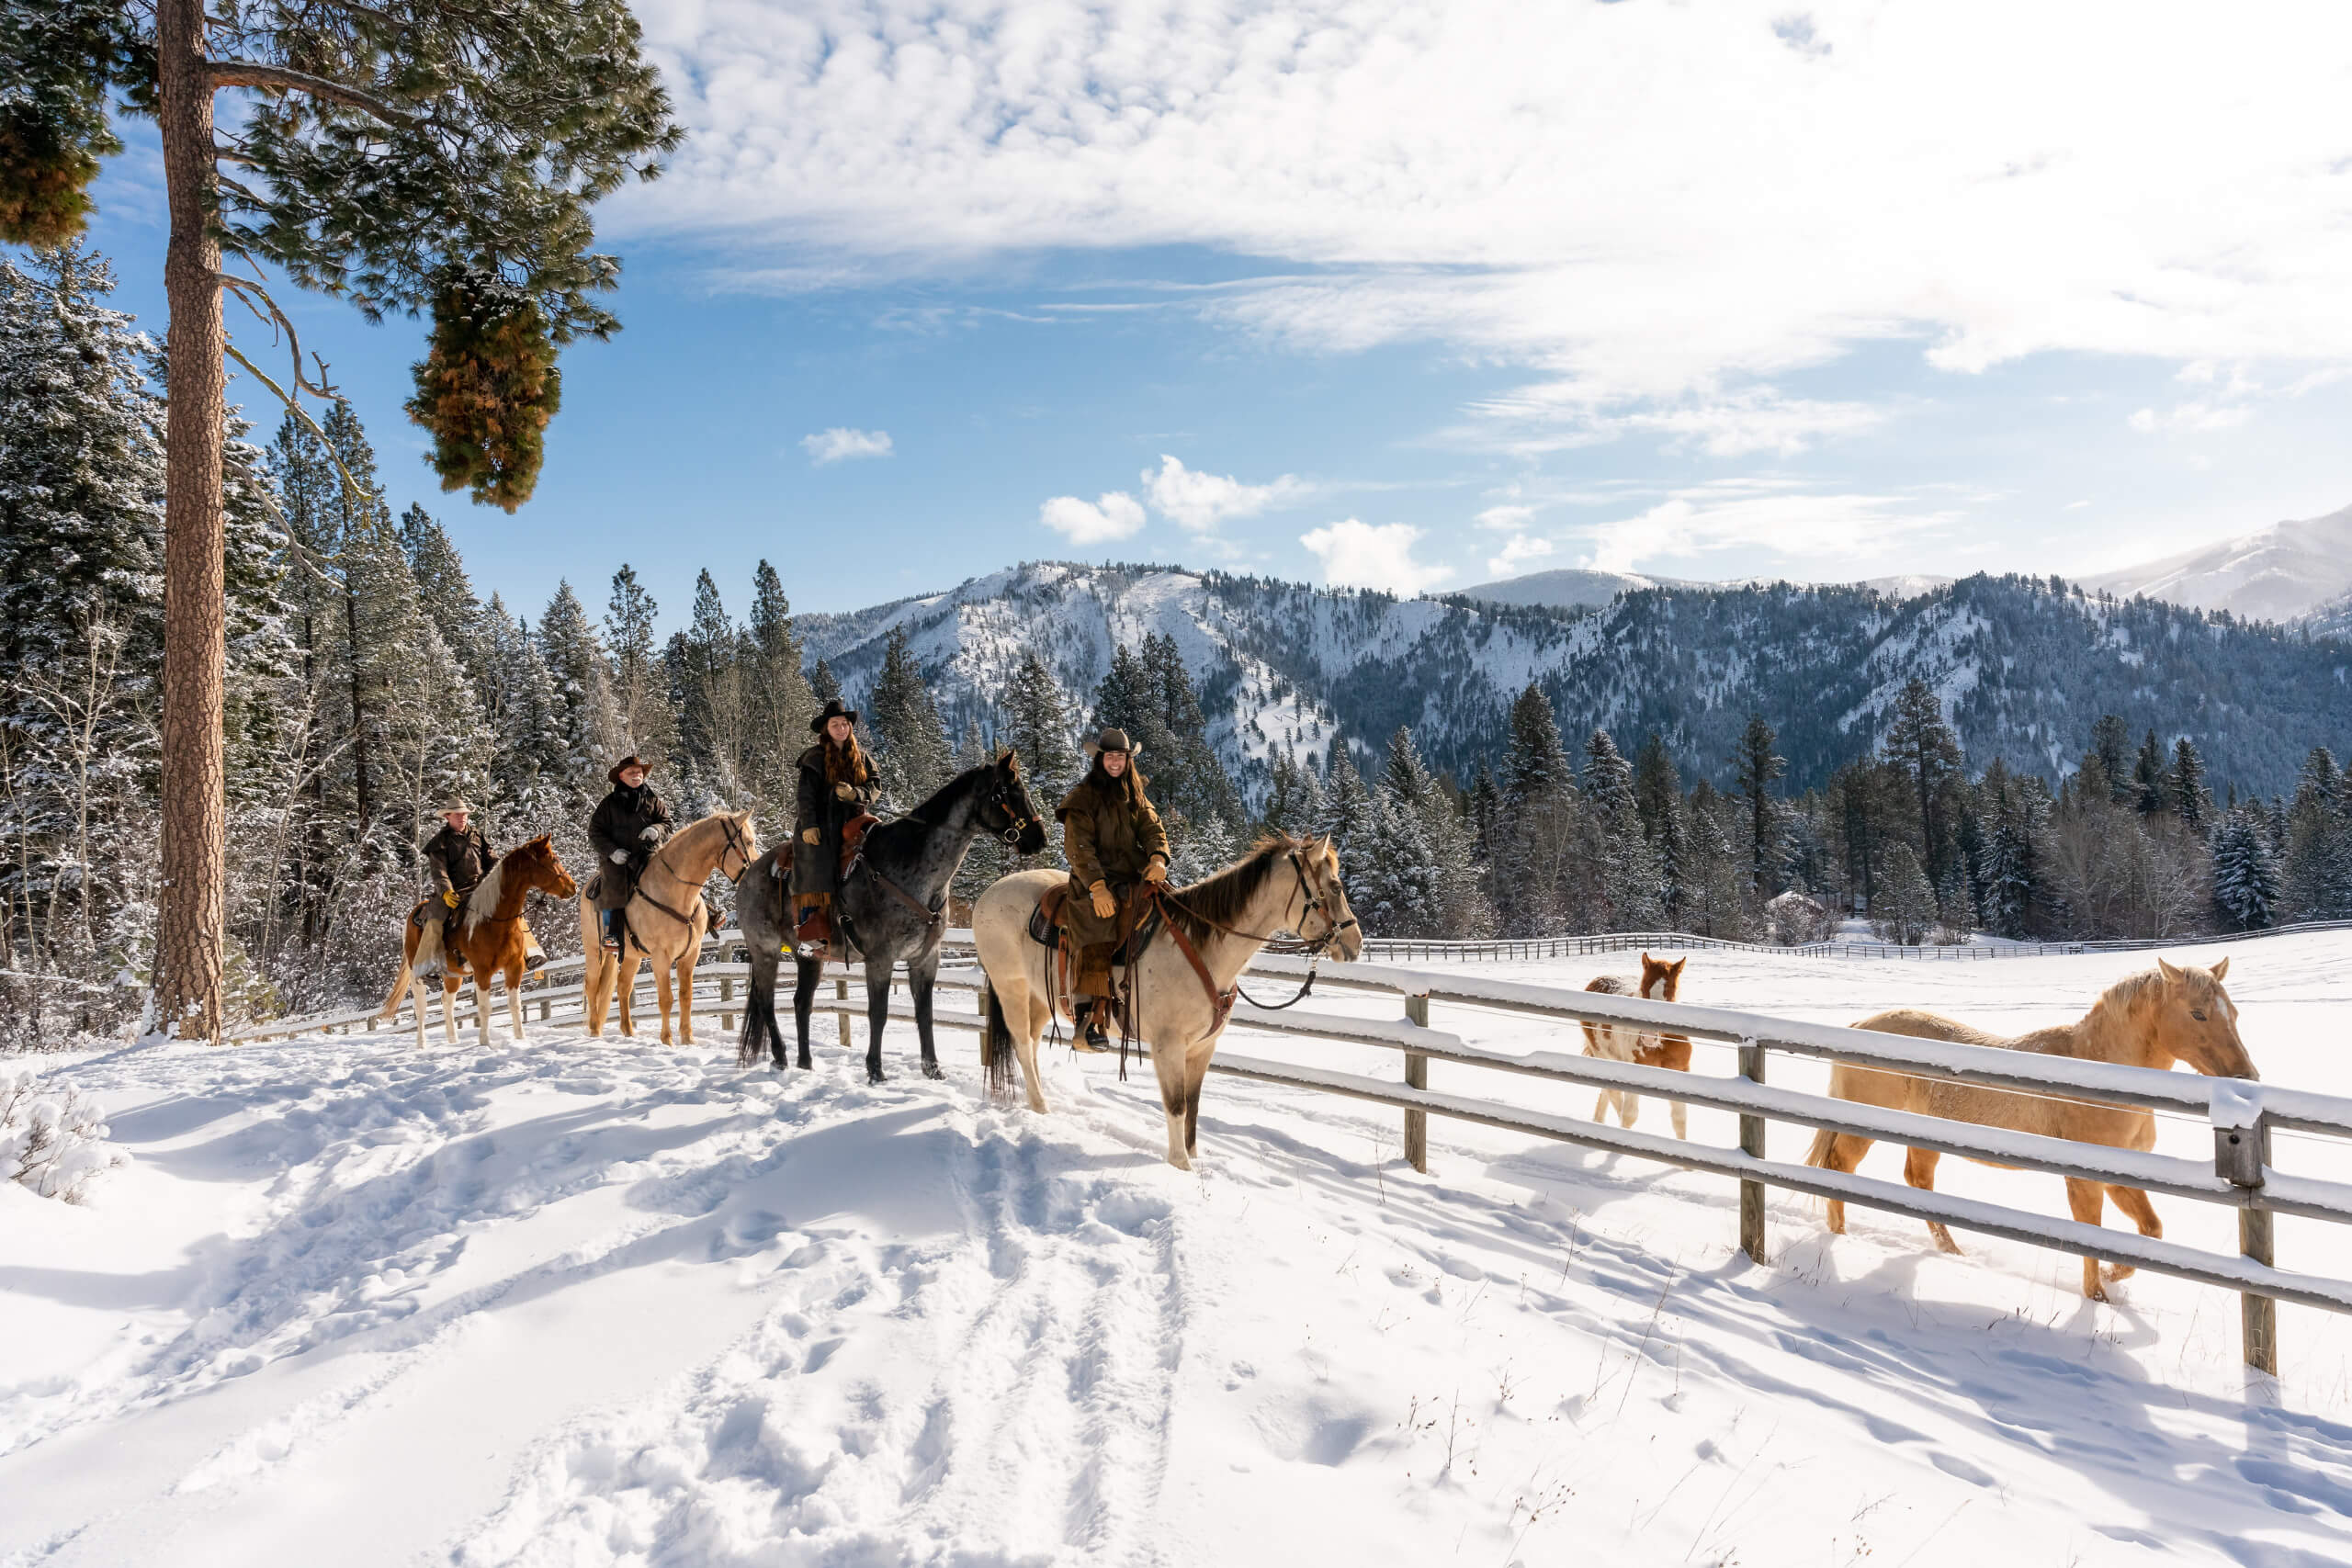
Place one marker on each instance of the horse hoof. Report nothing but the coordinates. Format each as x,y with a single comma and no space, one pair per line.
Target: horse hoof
934,1070
875,1074
806,1065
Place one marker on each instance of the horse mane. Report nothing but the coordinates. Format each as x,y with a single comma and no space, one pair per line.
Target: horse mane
1220,898
482,904
942,802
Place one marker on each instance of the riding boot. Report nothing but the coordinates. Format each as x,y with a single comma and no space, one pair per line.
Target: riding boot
1090,1035
612,931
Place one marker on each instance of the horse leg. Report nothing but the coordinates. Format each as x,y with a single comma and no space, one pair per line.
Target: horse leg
2133,1202
1839,1152
514,997
686,983
625,992
416,999
482,1007
877,1013
661,996
1919,1170
1168,1066
2088,1201
922,975
1629,1107
1040,1018
806,974
450,1007
1196,1074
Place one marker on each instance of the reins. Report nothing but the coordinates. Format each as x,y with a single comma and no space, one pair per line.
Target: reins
1312,902
735,842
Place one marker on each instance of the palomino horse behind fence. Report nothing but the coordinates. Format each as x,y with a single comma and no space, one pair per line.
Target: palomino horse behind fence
492,939
667,922
1182,984
2155,1019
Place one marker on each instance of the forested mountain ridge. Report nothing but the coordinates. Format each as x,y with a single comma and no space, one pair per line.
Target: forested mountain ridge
2025,665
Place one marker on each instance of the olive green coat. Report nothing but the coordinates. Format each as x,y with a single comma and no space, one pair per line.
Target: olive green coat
1110,836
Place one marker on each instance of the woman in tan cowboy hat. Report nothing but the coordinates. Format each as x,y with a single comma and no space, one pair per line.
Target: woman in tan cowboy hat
1113,841
629,825
836,788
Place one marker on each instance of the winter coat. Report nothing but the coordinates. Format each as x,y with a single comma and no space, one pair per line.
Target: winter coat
457,860
816,868
620,823
1109,834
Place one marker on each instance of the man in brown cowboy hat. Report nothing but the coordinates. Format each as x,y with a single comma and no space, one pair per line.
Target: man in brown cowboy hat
836,789
1113,841
456,858
629,825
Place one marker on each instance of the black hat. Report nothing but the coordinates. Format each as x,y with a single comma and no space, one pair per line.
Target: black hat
833,710
625,763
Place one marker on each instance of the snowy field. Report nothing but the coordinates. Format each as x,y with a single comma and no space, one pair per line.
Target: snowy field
601,1304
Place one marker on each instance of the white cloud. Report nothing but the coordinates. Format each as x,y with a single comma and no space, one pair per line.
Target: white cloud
1649,201
1519,552
1197,502
1505,519
1113,515
1810,535
1565,414
841,444
2190,418
1357,555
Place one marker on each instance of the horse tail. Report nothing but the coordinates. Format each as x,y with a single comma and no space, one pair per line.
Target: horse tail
1823,1142
758,1017
996,1050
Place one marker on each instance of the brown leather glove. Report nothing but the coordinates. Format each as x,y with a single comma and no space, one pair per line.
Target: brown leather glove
844,792
1104,905
449,899
1157,871
811,836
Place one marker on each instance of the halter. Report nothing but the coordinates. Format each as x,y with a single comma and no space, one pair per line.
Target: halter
1314,947
736,841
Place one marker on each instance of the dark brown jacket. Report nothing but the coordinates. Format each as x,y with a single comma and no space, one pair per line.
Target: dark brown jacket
1110,833
457,860
621,820
816,868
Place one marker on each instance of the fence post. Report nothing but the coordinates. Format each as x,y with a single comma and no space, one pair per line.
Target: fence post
1751,1143
2239,1154
840,995
1416,1076
725,994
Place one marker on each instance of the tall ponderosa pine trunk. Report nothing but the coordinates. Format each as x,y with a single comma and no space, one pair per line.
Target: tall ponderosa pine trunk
192,903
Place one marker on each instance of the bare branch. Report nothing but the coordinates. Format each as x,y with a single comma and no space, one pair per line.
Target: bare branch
353,489
278,78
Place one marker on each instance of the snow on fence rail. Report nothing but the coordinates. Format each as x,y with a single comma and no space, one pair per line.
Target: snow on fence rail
2241,1114
1413,950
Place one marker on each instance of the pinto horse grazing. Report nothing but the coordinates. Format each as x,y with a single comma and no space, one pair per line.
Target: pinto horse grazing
1181,982
1645,1047
2168,1014
667,922
492,939
891,909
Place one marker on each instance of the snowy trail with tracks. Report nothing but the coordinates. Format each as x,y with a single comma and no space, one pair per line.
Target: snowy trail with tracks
577,1303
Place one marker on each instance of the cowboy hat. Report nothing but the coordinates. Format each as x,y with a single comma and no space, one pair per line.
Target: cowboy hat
625,763
833,710
455,806
1113,739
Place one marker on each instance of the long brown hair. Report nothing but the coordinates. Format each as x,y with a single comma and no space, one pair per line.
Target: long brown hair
1127,786
844,763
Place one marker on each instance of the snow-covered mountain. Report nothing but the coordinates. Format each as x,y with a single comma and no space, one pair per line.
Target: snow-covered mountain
1583,588
2276,574
2024,667
2330,619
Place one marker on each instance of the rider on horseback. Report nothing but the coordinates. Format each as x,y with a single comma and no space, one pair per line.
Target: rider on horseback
836,788
1113,841
458,857
629,825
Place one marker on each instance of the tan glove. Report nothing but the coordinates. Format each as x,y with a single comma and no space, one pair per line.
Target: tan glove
449,899
1104,905
843,791
811,836
1157,871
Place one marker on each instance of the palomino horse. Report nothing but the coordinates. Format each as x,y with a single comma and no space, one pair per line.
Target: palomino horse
492,939
894,905
667,922
2152,1019
1645,1047
1182,984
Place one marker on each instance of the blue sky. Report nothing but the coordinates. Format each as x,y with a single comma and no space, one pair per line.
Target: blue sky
1422,296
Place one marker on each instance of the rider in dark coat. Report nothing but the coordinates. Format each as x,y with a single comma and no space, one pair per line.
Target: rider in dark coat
836,787
629,825
457,857
1114,839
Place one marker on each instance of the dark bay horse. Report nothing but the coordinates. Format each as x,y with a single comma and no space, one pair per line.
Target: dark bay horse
891,909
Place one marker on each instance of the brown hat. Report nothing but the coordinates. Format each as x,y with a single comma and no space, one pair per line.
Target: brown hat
833,710
1113,739
455,806
625,763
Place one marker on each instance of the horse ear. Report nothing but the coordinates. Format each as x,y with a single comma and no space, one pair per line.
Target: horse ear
1679,964
2168,971
2220,969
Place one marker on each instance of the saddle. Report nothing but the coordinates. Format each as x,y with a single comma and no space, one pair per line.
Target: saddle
1094,962
852,841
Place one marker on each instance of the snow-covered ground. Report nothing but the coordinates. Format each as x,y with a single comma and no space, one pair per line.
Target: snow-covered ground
592,1304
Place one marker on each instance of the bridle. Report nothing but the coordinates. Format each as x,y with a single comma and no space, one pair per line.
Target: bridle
1313,903
738,842
1016,822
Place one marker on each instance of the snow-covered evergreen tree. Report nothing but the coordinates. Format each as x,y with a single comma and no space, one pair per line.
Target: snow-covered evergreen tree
2246,882
909,746
1347,814
1906,909
592,737
1038,726
640,684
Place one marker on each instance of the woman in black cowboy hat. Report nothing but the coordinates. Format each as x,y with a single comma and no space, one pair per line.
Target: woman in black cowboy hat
836,788
629,825
1113,838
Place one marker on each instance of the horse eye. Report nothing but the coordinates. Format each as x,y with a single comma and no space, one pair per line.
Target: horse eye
2196,1013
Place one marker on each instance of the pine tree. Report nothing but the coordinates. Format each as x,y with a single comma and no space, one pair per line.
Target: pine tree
2112,746
1922,744
1347,816
990,857
1907,908
909,745
778,699
2246,882
2148,778
446,592
1623,866
824,686
1037,727
1753,767
711,703
590,720
640,686
1658,790
2185,784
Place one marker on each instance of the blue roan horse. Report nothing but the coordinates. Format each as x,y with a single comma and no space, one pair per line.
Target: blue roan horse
891,909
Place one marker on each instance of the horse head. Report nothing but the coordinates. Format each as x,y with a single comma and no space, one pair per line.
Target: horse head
1007,812
1326,920
742,844
1660,980
542,870
2197,1022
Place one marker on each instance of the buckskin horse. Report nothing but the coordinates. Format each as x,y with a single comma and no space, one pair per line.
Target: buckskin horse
1187,955
891,909
492,939
2171,1014
666,921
